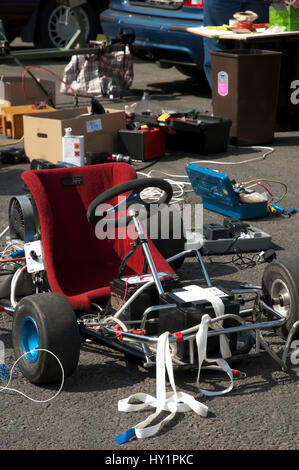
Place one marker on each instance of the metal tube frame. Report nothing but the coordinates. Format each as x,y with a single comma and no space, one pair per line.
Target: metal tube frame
139,345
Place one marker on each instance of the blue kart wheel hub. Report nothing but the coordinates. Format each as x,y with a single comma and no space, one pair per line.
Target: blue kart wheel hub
30,339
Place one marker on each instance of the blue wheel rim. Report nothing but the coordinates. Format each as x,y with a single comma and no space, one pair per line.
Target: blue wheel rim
30,339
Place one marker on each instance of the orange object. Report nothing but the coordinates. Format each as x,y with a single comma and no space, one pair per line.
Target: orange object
261,25
12,118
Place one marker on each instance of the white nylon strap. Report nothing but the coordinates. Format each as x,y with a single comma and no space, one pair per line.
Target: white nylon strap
201,341
218,307
172,401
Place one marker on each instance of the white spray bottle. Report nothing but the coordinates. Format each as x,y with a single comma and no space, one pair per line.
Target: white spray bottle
73,148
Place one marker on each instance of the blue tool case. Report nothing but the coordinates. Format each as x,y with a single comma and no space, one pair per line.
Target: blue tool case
218,194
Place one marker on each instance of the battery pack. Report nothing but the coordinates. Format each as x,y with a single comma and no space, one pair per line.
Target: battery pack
215,231
189,313
122,289
143,144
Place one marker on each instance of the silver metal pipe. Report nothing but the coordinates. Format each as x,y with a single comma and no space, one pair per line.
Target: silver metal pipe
247,290
148,254
270,352
246,327
203,268
271,310
178,255
154,308
246,310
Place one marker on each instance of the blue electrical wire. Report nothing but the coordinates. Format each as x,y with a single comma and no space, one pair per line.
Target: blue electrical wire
5,371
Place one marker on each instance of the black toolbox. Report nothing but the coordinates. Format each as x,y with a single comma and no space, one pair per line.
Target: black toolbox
201,134
190,131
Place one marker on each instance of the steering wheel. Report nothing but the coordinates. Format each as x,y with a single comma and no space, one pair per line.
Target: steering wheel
135,188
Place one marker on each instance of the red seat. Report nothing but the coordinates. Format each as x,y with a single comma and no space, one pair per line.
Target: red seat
78,264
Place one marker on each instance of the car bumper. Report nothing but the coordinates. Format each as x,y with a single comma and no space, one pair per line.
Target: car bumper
165,36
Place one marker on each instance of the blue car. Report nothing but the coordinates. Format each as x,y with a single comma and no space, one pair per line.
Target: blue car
158,30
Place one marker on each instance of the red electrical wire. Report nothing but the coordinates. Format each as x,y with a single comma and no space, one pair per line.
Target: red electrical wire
47,70
265,188
12,260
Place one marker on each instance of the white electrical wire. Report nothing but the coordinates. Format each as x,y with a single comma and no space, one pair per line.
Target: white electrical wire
6,387
153,194
14,282
117,321
249,160
133,297
10,248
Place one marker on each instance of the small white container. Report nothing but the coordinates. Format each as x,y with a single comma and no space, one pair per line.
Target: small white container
73,148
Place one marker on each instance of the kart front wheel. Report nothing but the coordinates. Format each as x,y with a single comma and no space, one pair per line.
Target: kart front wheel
41,323
280,284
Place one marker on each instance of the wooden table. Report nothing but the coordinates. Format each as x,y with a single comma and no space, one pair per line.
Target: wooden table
216,33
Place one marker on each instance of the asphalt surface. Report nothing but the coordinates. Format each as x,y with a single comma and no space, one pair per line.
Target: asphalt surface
260,413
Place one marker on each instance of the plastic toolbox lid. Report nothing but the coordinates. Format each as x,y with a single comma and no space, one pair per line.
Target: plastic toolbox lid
198,123
211,184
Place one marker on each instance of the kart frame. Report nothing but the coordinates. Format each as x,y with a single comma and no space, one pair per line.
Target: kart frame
140,345
118,336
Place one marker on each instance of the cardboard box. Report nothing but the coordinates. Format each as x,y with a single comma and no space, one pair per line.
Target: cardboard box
43,132
12,118
12,93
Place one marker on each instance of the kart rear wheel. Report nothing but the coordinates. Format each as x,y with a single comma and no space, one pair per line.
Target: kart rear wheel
45,321
280,284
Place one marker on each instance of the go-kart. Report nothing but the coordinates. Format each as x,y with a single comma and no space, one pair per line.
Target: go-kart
71,283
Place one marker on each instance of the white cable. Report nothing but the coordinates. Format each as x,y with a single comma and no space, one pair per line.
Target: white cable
23,394
133,297
249,160
14,282
178,187
153,193
117,321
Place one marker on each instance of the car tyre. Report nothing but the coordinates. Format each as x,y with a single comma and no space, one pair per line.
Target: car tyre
50,33
45,321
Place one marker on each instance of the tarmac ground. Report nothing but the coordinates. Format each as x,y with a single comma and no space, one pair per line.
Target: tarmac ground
261,412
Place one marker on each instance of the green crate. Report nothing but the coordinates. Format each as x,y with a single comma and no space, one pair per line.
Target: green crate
282,15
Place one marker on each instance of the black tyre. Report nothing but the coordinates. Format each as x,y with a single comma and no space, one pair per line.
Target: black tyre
54,31
280,284
45,321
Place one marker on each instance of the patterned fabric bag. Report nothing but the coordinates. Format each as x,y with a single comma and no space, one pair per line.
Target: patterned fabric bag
101,74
